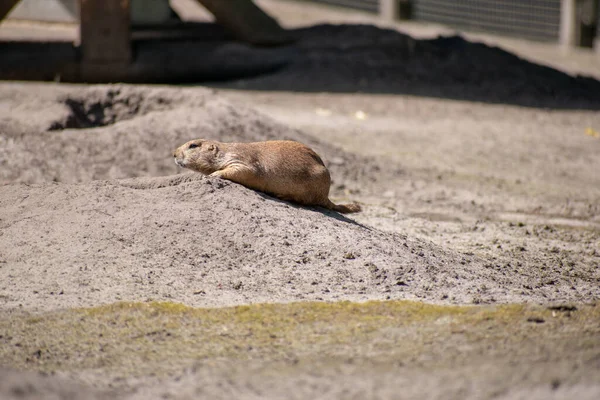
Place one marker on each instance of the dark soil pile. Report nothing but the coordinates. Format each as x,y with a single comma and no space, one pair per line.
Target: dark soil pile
364,58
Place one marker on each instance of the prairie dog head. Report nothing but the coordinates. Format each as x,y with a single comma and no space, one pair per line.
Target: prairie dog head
198,155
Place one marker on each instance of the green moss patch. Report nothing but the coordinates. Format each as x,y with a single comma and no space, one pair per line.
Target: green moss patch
135,339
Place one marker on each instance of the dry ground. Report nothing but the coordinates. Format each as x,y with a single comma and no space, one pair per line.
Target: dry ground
477,253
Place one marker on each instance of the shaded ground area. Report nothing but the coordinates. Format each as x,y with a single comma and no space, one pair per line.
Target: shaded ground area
386,349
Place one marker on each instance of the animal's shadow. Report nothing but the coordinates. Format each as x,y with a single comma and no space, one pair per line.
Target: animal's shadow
328,213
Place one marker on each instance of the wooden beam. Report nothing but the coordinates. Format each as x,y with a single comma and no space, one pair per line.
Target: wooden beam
6,6
247,21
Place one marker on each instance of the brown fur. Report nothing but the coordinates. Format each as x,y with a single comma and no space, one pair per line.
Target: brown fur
285,169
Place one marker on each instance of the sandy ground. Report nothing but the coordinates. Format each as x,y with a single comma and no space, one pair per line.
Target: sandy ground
122,275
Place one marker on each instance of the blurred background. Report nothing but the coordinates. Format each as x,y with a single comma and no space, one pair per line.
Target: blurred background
559,33
569,22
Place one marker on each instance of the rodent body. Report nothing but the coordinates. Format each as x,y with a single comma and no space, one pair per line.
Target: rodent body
285,169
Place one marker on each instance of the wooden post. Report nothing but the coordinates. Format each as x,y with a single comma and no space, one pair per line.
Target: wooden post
105,40
247,21
6,6
105,31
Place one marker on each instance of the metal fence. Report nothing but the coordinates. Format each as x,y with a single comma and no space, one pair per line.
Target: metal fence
533,19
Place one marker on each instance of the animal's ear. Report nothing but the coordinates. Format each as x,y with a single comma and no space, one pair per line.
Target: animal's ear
213,148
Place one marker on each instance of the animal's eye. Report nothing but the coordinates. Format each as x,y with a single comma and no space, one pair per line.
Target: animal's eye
193,146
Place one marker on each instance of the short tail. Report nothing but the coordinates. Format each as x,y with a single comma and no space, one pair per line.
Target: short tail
345,208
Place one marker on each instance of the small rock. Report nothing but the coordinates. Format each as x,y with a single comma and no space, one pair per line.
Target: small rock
563,308
537,320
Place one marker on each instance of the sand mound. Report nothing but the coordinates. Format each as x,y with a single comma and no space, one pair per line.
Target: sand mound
209,242
77,134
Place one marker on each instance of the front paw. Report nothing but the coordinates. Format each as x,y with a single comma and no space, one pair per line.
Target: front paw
217,174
